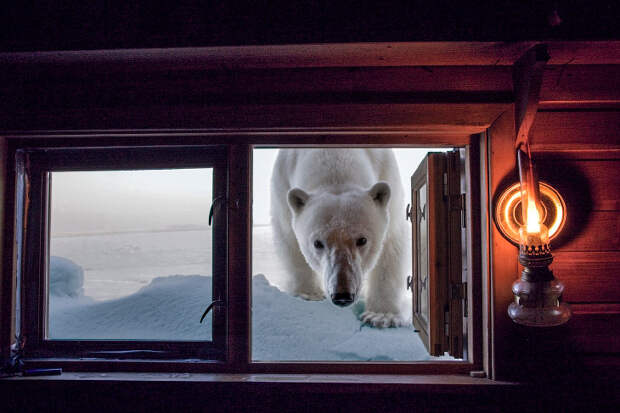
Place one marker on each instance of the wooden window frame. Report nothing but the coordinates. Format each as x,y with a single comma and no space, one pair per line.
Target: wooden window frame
33,166
239,147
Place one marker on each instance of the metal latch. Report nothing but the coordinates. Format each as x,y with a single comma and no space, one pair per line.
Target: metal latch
458,291
210,307
216,201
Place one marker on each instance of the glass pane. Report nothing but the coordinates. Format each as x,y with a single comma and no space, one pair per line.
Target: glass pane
423,255
130,255
293,321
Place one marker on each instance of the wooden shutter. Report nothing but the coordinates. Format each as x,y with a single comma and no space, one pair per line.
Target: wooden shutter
438,226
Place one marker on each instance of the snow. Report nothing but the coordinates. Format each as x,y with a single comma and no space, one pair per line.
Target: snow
289,328
67,279
168,308
283,327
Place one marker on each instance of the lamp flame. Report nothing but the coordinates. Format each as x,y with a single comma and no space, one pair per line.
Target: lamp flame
533,217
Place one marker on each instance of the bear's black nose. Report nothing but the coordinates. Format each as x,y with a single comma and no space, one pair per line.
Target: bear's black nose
343,299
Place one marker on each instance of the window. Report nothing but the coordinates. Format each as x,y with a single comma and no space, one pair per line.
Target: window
439,225
292,323
47,171
121,254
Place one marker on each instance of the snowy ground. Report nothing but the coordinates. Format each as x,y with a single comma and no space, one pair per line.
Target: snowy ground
128,294
284,327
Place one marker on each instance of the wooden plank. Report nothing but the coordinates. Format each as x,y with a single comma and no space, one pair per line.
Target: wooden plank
600,233
590,83
562,85
318,55
84,87
462,118
603,183
593,331
436,214
590,184
485,255
576,131
588,277
474,260
455,254
503,255
586,154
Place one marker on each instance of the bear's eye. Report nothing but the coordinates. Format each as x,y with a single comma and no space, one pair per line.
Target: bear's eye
318,244
361,241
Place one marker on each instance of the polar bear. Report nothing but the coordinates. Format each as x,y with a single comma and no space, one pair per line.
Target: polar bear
338,217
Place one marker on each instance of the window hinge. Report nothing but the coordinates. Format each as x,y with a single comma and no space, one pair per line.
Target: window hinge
459,292
463,211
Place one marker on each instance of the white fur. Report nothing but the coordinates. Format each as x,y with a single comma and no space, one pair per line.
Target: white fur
338,196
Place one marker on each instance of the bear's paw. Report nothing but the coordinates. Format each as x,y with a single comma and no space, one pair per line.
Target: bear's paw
383,320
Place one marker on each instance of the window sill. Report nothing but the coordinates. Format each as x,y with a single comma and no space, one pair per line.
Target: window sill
412,382
75,391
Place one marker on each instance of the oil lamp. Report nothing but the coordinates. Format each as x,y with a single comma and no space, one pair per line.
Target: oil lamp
537,293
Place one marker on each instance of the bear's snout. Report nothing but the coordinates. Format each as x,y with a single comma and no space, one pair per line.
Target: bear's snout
343,299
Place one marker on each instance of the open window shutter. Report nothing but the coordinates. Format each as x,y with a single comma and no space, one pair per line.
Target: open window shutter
437,221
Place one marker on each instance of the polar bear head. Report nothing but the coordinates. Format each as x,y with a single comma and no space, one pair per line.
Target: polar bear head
341,235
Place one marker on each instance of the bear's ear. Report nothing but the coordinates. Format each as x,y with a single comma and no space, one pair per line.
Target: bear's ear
297,198
380,193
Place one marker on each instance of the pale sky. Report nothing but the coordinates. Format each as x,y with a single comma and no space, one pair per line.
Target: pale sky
118,201
408,160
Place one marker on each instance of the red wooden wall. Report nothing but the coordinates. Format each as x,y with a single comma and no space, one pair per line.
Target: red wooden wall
579,151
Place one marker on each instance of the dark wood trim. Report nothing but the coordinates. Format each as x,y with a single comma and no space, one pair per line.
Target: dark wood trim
474,259
452,118
83,158
262,137
7,280
456,229
239,259
159,365
438,259
318,55
219,253
426,382
418,180
33,281
502,254
38,163
239,244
